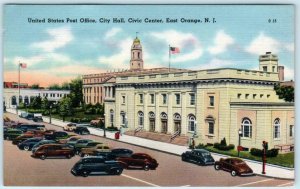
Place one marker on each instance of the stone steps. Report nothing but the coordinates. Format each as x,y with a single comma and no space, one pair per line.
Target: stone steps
179,140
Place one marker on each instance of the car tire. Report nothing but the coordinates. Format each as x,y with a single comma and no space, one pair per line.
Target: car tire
68,156
116,171
217,167
27,148
146,167
43,157
233,173
85,173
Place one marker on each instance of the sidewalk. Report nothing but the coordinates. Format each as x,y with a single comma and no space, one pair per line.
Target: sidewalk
271,170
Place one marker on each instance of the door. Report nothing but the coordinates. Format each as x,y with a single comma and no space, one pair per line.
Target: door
152,125
164,126
177,126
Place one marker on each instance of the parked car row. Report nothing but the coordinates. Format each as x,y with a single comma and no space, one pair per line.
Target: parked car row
235,166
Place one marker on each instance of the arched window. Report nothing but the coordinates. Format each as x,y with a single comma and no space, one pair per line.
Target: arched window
277,128
111,116
177,117
151,115
140,119
191,122
13,100
247,128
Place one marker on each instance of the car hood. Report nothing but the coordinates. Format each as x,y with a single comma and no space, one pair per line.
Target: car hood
244,168
209,159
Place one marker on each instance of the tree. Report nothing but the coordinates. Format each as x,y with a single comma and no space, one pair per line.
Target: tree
285,92
65,86
54,87
36,103
35,86
65,107
76,92
45,103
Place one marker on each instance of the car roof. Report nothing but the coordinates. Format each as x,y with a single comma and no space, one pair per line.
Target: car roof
200,150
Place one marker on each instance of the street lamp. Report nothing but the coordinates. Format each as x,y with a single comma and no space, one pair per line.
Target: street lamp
104,130
239,147
50,113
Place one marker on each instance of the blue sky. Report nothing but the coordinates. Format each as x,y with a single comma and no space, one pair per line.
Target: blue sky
57,52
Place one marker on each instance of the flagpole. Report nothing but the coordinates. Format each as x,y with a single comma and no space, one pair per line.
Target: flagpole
18,98
169,58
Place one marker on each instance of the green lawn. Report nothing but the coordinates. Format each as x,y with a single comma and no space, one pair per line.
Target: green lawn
76,115
286,160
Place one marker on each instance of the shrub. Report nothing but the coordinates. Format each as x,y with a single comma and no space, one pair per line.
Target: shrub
200,146
258,152
85,119
46,112
226,148
112,128
216,145
223,142
75,120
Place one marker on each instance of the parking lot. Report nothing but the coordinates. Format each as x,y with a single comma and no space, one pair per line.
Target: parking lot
20,169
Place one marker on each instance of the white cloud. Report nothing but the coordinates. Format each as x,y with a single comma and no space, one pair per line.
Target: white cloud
112,32
288,73
215,63
183,41
262,44
121,59
290,47
59,38
28,60
221,43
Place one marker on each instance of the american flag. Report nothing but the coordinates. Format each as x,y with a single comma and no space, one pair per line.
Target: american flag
174,50
23,65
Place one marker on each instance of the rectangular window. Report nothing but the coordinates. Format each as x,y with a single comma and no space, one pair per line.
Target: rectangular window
123,99
291,130
210,127
192,98
177,96
191,125
164,96
239,95
246,96
211,101
276,131
141,98
254,96
273,68
265,68
268,96
152,98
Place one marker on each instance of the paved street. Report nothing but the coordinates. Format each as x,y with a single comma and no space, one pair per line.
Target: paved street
22,170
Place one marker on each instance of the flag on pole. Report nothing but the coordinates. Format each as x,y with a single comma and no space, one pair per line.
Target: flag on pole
23,65
174,50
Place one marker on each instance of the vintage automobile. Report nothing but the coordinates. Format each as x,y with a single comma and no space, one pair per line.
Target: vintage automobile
30,127
21,138
69,127
53,150
57,135
199,156
42,142
235,166
29,143
138,160
11,134
38,119
81,143
71,140
82,130
102,148
88,165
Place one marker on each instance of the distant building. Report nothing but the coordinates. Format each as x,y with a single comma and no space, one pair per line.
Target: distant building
14,85
10,95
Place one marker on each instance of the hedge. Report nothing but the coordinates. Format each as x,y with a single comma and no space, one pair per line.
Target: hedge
270,153
223,147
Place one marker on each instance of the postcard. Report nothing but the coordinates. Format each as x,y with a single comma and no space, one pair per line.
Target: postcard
148,95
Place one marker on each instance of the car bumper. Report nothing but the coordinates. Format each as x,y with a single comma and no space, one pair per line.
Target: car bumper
209,163
247,174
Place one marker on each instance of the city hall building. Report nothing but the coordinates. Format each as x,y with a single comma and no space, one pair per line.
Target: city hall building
204,105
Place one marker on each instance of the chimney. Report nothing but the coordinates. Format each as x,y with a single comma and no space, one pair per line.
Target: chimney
281,73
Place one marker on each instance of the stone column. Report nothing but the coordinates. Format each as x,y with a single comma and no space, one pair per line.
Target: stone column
170,114
157,113
184,101
146,117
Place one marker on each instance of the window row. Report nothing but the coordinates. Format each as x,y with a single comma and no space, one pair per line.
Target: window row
253,96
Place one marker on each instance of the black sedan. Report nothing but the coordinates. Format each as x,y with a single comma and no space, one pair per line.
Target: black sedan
82,130
29,143
199,156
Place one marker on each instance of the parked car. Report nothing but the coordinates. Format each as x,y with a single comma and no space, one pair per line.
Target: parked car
82,130
21,138
199,156
114,153
53,150
98,148
138,160
57,135
11,134
70,140
36,133
81,143
28,116
42,142
90,144
69,127
28,127
234,165
29,143
88,165
38,119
